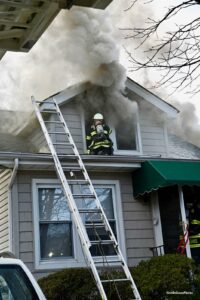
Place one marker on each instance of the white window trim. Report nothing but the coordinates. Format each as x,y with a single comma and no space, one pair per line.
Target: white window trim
117,207
184,219
138,150
57,263
78,259
157,225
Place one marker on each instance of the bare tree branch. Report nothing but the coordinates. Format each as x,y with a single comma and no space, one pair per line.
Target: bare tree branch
177,52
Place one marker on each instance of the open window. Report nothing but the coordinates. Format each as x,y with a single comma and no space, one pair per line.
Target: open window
125,135
125,131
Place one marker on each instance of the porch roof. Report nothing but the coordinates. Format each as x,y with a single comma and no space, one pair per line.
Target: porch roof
154,174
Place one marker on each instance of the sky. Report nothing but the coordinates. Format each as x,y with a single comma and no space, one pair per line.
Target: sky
51,65
134,18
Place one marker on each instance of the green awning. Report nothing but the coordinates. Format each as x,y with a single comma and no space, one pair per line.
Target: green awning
154,174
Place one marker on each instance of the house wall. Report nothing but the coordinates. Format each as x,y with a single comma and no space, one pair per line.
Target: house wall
4,206
137,217
152,133
72,116
152,127
153,136
152,130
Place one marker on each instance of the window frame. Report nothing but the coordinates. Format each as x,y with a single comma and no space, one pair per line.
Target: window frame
138,141
78,259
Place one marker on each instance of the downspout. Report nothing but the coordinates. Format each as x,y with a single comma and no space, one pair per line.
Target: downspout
10,185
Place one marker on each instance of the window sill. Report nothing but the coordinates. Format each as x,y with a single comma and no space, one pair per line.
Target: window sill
59,264
127,152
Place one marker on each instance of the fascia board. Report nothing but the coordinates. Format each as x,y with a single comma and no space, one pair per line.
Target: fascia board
67,94
151,98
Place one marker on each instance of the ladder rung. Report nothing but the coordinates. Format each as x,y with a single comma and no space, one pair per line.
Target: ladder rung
107,261
53,111
63,144
72,169
102,242
45,102
91,211
95,225
54,132
83,196
115,280
77,181
53,122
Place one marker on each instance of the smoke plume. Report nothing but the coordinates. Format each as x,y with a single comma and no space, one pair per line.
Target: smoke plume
79,45
186,124
93,35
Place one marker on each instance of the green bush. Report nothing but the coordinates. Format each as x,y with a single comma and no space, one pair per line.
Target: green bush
69,284
78,284
163,276
156,279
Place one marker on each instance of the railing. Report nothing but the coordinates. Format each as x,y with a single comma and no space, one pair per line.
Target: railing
158,250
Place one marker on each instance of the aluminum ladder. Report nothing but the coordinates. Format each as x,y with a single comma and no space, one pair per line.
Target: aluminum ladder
88,219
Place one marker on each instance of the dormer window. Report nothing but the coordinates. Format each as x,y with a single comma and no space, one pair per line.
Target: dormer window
125,136
125,132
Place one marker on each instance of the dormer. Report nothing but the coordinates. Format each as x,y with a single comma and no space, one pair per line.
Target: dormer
136,123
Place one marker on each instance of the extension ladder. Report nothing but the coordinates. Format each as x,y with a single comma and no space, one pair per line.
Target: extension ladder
94,230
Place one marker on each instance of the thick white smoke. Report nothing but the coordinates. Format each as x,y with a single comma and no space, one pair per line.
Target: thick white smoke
79,45
94,46
186,124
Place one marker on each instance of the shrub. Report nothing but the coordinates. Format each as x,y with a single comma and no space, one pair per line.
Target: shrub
69,284
78,284
154,278
160,276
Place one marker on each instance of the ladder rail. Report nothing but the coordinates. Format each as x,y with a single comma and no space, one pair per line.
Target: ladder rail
81,228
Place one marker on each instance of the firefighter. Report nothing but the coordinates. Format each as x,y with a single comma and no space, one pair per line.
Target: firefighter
194,230
98,140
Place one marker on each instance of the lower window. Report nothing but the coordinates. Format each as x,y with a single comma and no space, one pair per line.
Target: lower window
55,224
58,241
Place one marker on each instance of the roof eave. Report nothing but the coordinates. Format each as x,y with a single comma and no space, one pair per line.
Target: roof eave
152,98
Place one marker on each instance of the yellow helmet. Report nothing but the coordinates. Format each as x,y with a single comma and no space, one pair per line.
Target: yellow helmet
98,116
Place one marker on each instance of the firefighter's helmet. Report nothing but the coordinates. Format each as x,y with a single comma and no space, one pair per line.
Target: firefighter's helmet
98,116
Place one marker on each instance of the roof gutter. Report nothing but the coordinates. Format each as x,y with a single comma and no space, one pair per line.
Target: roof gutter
10,216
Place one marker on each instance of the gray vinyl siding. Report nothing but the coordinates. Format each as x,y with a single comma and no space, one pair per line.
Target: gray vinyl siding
152,136
71,114
4,213
25,220
152,130
136,215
